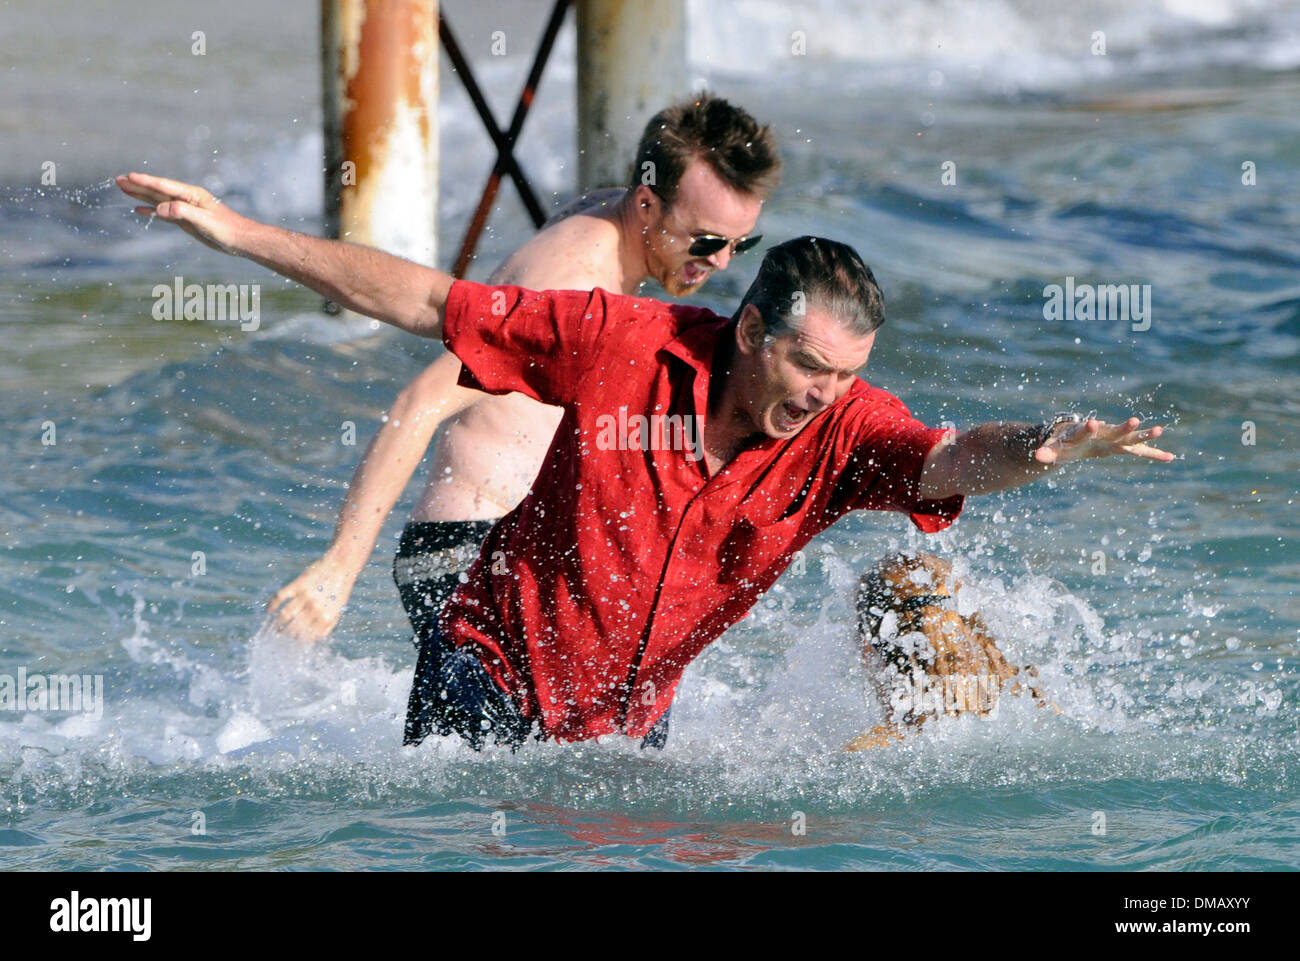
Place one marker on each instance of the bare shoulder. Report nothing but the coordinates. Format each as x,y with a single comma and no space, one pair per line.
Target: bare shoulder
593,202
577,252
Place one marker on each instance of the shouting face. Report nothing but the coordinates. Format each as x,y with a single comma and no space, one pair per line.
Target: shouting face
784,382
704,204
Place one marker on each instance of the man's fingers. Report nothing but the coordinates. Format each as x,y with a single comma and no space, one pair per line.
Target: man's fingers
159,190
282,595
191,208
1119,434
301,632
300,618
142,192
168,189
1152,453
131,187
284,617
310,626
1135,442
1096,438
288,614
1140,437
173,187
172,211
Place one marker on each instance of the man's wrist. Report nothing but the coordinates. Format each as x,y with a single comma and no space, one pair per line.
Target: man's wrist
1023,439
350,551
256,241
1062,420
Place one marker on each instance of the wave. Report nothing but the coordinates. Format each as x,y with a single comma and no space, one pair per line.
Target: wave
999,46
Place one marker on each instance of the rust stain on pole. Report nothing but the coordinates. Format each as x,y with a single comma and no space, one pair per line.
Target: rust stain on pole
391,35
379,61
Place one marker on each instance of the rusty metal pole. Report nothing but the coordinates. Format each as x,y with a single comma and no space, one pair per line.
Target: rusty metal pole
631,64
379,61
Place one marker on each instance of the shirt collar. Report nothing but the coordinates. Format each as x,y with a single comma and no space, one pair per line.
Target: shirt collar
696,344
695,347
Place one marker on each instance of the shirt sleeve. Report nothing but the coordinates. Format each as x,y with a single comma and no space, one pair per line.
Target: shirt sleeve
539,343
885,464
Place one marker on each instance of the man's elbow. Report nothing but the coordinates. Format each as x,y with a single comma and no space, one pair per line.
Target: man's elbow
424,400
940,475
939,488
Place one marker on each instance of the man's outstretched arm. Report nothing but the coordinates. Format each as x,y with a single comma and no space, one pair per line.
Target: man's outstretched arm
310,606
994,457
371,282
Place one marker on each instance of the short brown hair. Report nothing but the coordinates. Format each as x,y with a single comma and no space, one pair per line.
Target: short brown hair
740,151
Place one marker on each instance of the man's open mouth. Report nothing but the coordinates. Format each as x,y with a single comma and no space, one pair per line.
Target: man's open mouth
792,416
692,274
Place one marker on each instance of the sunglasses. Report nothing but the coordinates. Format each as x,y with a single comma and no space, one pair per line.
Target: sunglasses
705,245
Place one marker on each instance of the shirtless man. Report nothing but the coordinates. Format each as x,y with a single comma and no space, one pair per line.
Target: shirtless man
702,172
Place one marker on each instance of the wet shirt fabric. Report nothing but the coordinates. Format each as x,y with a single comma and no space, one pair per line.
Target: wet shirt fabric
627,558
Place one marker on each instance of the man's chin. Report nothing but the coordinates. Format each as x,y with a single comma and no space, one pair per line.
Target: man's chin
776,432
677,286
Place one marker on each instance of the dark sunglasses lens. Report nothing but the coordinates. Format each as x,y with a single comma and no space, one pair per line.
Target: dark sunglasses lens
748,243
707,245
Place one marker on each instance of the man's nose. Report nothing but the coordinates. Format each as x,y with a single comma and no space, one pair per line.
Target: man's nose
721,258
826,390
818,393
842,386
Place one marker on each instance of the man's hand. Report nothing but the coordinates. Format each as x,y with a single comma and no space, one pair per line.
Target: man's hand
308,609
1093,438
377,284
996,457
191,208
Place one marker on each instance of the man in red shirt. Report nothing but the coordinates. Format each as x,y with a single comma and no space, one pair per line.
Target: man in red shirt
696,454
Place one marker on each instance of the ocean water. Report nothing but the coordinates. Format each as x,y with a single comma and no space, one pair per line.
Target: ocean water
1159,602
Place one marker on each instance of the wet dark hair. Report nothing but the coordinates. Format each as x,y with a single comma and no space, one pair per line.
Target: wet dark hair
740,151
811,271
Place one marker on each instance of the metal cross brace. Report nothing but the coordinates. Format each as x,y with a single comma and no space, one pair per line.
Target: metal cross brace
505,142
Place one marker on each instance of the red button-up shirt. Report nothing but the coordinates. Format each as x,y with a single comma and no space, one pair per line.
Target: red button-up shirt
627,558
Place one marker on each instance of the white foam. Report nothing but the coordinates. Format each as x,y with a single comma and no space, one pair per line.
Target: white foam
988,45
744,723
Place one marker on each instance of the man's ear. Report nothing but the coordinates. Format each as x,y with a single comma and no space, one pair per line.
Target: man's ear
647,204
750,332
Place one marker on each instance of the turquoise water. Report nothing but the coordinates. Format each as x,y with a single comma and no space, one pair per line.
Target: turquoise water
1158,602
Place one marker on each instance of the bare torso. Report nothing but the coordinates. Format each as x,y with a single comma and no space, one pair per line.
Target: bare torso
486,457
